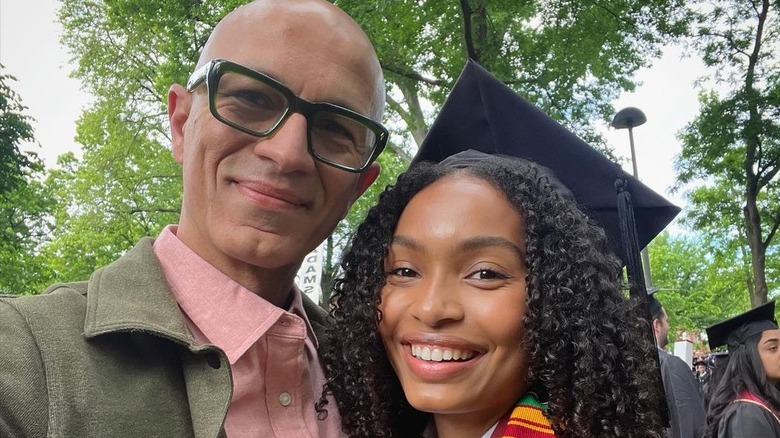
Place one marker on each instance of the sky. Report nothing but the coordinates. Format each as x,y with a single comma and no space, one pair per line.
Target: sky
669,99
30,50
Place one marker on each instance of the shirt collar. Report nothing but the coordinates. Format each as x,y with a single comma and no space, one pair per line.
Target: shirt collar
220,310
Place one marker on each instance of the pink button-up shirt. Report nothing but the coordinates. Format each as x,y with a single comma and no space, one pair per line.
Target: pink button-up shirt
276,372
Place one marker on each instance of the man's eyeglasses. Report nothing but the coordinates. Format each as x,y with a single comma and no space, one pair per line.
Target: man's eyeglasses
257,104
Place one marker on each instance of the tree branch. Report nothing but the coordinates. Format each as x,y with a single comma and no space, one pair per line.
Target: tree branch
729,40
771,234
154,210
467,32
413,76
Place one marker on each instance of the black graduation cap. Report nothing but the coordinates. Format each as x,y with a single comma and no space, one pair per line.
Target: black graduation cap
734,331
484,114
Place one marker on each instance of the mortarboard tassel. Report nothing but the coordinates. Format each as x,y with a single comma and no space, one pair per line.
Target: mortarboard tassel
636,277
631,250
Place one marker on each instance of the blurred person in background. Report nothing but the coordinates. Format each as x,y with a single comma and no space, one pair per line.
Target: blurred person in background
746,402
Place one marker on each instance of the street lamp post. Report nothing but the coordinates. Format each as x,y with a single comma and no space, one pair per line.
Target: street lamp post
629,118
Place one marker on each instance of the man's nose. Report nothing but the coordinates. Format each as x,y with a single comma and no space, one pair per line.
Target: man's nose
288,146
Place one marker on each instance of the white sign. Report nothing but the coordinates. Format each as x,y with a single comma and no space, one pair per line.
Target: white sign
684,350
309,274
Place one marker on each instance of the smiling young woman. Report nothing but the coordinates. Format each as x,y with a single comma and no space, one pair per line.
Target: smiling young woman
496,307
479,300
453,305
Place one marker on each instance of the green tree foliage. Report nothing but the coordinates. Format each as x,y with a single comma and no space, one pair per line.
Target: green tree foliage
23,198
126,185
700,280
570,58
15,129
733,145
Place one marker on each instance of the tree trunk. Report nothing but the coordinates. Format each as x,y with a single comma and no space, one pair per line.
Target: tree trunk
328,274
753,161
476,31
415,120
747,269
759,293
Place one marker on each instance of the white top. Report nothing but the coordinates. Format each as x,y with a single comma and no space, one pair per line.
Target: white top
430,431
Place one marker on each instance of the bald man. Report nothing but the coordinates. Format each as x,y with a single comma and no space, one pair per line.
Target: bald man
201,332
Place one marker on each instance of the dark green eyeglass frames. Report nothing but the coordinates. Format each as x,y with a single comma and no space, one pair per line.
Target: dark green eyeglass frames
257,104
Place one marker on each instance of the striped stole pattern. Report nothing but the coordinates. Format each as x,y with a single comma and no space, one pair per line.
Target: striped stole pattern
526,420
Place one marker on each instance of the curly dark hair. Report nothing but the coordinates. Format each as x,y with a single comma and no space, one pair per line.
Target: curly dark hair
744,371
589,350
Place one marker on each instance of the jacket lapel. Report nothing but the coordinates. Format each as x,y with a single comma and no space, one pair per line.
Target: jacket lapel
132,294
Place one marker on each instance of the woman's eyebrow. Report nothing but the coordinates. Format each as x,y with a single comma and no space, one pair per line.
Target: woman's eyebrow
771,340
406,241
479,242
470,244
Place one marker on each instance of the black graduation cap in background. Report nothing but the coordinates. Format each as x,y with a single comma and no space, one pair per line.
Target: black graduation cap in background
484,114
734,331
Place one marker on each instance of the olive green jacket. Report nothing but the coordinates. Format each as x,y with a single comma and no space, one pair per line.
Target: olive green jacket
111,357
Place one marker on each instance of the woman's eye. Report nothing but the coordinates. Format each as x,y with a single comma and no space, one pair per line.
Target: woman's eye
402,272
487,274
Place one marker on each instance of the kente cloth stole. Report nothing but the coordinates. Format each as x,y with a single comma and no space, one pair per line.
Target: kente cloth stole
526,420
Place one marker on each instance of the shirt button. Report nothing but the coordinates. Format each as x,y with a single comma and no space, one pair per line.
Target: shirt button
285,399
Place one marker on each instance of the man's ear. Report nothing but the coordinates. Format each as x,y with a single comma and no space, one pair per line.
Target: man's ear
179,103
656,325
367,177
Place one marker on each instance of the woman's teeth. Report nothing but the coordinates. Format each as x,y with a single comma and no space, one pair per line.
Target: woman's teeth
439,354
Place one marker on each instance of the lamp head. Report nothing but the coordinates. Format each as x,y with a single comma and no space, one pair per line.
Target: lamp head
628,118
